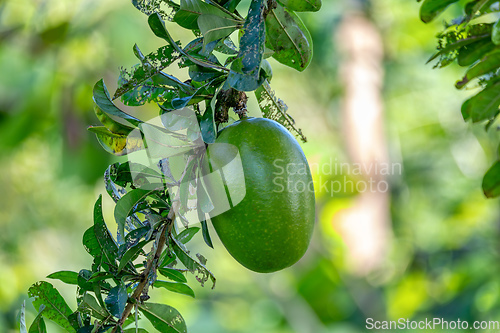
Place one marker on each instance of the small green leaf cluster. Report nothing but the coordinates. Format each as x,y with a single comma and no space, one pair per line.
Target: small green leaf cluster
150,250
473,40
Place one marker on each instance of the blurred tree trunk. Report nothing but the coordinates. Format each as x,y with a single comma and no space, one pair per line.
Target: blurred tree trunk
365,226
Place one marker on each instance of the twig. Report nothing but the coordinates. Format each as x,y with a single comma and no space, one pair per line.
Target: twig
144,276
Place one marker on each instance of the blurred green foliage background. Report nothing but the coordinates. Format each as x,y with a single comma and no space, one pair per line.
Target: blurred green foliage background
444,253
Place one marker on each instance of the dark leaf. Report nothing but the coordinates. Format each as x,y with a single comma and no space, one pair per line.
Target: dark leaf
89,303
164,318
207,125
56,308
68,277
489,63
469,54
214,27
117,300
484,105
126,205
289,38
132,254
103,101
190,11
106,241
432,8
180,288
458,44
245,70
491,181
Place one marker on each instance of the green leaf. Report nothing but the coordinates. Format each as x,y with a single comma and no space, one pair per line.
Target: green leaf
164,318
187,234
245,70
289,38
56,308
112,125
180,288
38,325
214,27
190,11
199,74
201,272
68,277
184,186
106,242
302,5
491,181
484,105
116,144
458,44
274,108
469,54
117,300
432,8
207,125
158,27
89,303
133,330
103,100
489,63
132,254
495,33
150,70
172,274
126,205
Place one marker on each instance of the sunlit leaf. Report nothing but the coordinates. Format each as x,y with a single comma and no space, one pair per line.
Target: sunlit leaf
56,308
180,288
187,234
117,144
68,277
164,318
302,5
194,266
172,274
38,324
491,181
289,38
274,108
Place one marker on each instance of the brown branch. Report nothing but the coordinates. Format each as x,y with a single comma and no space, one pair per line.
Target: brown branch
144,275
